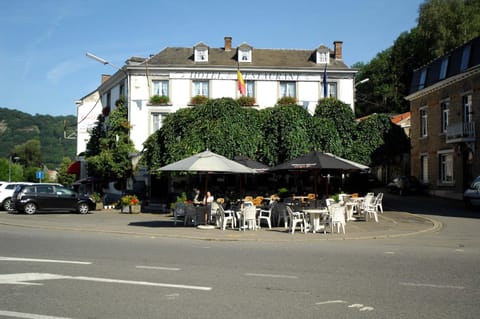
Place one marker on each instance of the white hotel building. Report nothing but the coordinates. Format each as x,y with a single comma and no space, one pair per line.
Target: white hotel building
181,73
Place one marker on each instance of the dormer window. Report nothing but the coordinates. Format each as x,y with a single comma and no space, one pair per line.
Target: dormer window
244,53
323,55
201,53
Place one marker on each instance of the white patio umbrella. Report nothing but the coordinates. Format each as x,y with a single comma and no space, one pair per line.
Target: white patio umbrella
207,162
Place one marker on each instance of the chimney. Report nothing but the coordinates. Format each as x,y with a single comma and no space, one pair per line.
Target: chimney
338,50
105,77
228,43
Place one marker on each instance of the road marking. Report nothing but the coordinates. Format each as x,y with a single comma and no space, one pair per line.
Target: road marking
158,268
413,284
390,252
25,278
15,314
271,276
45,260
330,301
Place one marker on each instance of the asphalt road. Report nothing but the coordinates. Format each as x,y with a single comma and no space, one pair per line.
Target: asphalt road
64,274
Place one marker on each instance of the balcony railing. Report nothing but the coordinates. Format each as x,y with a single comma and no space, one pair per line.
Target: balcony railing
461,132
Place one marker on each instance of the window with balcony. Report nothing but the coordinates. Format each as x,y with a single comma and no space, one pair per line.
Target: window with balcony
445,161
250,88
467,108
160,87
288,89
423,122
444,116
200,88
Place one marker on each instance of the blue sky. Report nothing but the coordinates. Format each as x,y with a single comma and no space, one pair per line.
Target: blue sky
44,69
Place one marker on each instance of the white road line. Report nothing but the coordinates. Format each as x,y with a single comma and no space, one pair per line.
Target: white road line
271,276
26,278
141,283
158,268
330,301
413,284
45,260
15,314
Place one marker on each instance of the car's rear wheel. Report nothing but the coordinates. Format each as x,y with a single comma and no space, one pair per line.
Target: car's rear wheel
83,208
30,208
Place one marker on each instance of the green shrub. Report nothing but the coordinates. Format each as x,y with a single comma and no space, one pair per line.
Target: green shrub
159,99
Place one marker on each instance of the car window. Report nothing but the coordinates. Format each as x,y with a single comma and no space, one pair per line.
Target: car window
45,189
64,191
11,186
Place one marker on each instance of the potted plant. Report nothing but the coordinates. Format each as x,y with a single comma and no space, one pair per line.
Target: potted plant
159,99
287,100
97,199
130,204
246,100
198,100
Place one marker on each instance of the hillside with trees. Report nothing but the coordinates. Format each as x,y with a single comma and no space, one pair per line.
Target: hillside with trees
37,139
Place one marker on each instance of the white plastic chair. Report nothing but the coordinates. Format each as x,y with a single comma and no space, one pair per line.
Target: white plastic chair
371,209
337,218
249,219
295,218
379,202
225,217
266,214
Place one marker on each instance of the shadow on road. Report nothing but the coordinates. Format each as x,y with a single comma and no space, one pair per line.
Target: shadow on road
427,205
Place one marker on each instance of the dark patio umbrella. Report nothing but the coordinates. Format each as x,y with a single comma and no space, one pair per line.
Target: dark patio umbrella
315,162
257,166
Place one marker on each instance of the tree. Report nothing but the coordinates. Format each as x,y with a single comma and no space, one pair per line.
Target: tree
113,162
343,121
286,132
29,153
63,177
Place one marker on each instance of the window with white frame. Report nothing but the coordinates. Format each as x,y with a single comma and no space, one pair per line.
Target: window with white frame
250,88
200,88
467,108
244,55
445,160
423,122
160,87
201,54
323,57
288,89
156,121
424,168
444,116
332,89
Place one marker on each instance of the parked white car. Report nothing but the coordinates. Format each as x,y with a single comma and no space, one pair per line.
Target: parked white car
471,196
6,192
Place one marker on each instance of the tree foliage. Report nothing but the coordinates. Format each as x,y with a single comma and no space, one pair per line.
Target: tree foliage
62,176
113,162
442,26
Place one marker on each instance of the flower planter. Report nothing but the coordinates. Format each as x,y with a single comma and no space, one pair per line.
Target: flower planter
131,209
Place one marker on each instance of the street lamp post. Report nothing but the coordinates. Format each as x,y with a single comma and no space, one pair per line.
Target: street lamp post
16,158
105,62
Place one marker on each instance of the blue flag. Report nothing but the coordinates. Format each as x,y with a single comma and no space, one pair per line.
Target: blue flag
325,84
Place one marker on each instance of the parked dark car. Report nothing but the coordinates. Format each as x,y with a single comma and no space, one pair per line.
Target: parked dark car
50,197
471,196
404,185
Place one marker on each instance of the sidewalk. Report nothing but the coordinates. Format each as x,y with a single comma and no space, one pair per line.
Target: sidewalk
391,224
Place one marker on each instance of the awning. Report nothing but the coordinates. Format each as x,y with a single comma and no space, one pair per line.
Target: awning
74,168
